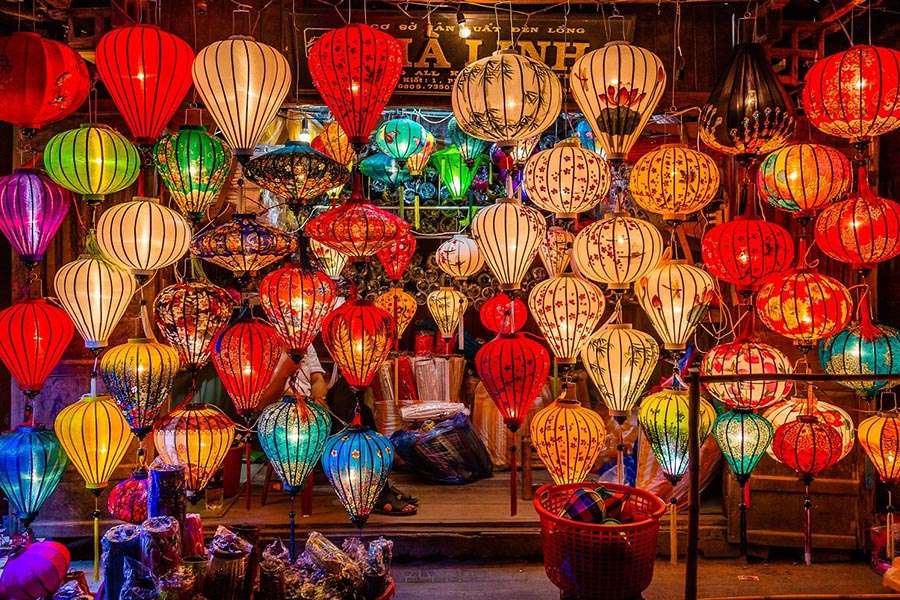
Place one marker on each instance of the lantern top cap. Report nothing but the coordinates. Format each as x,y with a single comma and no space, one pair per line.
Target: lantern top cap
248,38
192,127
618,326
138,340
98,398
152,199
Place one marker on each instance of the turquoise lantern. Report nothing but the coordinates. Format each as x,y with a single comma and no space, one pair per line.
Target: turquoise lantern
455,171
470,147
586,136
32,462
400,139
384,169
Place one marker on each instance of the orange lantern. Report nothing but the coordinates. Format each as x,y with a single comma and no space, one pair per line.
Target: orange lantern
803,178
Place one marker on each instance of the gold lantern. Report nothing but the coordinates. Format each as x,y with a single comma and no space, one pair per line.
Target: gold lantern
508,234
400,305
879,436
664,419
555,248
674,181
675,296
617,250
567,309
567,179
331,260
447,306
459,257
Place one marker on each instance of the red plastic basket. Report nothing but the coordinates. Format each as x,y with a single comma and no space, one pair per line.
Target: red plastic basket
599,562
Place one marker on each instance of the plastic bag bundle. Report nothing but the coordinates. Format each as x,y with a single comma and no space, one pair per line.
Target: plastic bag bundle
446,452
140,584
229,556
161,544
119,543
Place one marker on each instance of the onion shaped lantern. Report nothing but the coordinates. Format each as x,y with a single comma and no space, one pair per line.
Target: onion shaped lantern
32,207
191,316
502,314
32,462
807,445
567,179
147,71
747,357
139,375
555,250
620,361
455,170
746,250
831,414
508,235
127,501
242,84
292,433
92,160
743,437
459,257
384,169
401,306
400,139
663,417
331,261
245,357
674,181
447,306
617,250
194,166
879,436
675,296
417,162
396,256
296,173
803,178
243,246
334,143
567,309
358,336
470,148
617,87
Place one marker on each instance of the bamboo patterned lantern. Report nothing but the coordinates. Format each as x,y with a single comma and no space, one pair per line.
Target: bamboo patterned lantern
245,357
567,179
296,173
470,148
243,246
333,142
617,250
674,181
459,257
447,306
191,316
358,335
746,250
32,462
331,261
555,250
508,235
396,256
401,306
32,207
400,139
747,357
502,314
803,178
675,296
567,309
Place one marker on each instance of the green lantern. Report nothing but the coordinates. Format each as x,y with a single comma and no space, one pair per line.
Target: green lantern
385,169
456,173
93,160
469,147
193,166
401,138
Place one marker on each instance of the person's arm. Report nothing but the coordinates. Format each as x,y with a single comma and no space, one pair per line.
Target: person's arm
275,390
318,387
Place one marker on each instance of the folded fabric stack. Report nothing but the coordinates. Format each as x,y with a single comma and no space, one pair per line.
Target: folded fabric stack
599,506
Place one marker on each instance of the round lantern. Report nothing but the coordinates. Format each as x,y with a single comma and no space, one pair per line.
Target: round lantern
807,445
617,87
469,147
143,236
567,179
854,94
243,246
34,334
831,414
296,301
749,113
194,166
508,235
862,230
292,433
358,336
743,437
416,163
396,256
147,71
42,81
747,357
746,250
245,357
675,296
664,419
36,572
447,307
401,306
555,249
674,181
456,172
568,438
620,361
518,153
95,293
139,375
400,139
355,69
334,143
513,369
459,257
502,314
196,437
127,501
92,160
617,250
331,261
506,97
242,84
296,173
384,169
32,462
802,178
32,208
567,309
191,316
879,436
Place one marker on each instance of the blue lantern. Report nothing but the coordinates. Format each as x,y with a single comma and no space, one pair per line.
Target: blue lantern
401,138
292,433
470,147
32,462
384,169
586,135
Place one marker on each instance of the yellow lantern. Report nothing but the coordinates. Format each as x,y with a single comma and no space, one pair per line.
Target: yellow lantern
331,261
334,143
415,164
567,309
567,179
568,438
879,436
664,419
674,181
447,306
617,250
675,295
459,257
508,234
400,305
555,248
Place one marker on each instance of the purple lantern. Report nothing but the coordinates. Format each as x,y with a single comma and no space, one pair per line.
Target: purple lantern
32,207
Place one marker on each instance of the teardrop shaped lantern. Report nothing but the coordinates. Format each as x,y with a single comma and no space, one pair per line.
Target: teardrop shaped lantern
296,173
567,179
400,139
194,166
469,148
242,83
32,462
334,143
243,246
455,170
358,336
139,375
555,250
147,72
331,261
675,296
396,256
664,420
567,309
506,97
43,81
617,87
747,357
191,316
447,306
674,181
292,433
384,169
32,207
401,306
743,438
803,178
93,160
245,357
508,235
749,113
416,163
459,257
746,250
502,314
620,361
296,300
568,438
831,414
617,250
879,436
143,236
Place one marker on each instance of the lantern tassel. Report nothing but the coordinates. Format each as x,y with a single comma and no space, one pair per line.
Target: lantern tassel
461,337
96,517
673,531
513,479
743,516
807,526
247,459
620,458
292,519
889,525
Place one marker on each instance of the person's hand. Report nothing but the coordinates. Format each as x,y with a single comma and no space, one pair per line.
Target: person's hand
275,390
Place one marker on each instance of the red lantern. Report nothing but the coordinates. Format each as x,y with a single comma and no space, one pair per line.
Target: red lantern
245,357
502,314
513,369
358,335
861,230
41,81
355,69
396,256
807,445
746,250
296,300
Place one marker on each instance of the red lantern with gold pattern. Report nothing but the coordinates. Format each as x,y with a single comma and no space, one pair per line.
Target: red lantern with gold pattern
502,314
807,445
396,256
513,369
245,357
358,335
746,250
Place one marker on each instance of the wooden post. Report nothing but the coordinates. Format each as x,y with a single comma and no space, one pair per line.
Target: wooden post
690,579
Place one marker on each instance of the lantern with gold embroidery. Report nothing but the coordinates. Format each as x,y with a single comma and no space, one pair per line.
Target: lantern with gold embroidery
243,246
617,250
554,250
296,173
567,179
803,178
415,164
358,336
331,260
191,315
447,306
400,305
459,257
674,181
508,235
567,309
675,296
664,419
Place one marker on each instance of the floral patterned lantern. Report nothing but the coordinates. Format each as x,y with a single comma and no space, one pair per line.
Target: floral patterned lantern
401,306
675,296
358,335
803,178
400,139
296,173
567,179
502,314
674,181
243,246
879,436
127,501
32,462
617,250
508,235
747,357
416,163
334,143
456,172
743,437
245,357
384,169
746,250
664,419
395,257
191,315
331,261
567,309
555,250
470,148
459,257
32,207
447,306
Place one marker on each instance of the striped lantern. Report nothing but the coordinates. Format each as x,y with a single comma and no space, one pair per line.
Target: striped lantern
245,357
567,309
32,462
331,261
508,235
555,250
803,178
747,357
675,296
567,179
191,315
746,250
674,181
831,414
513,369
334,143
743,437
32,207
807,445
879,436
664,419
447,306
358,336
292,433
469,147
401,306
417,162
617,250
456,173
459,257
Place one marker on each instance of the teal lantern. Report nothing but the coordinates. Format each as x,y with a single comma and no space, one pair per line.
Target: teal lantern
586,136
469,147
384,169
32,462
400,139
455,171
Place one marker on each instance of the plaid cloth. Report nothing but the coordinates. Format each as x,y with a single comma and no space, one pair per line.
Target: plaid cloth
595,506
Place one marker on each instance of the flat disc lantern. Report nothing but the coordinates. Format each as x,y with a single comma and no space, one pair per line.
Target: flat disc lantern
674,181
455,170
296,173
400,139
32,462
447,306
334,143
358,336
803,178
32,207
567,179
396,256
245,357
459,257
470,148
243,246
747,357
508,235
502,314
617,250
567,309
555,250
191,315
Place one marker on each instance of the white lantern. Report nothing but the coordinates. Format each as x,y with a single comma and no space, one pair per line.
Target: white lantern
567,179
567,309
617,87
242,83
459,257
331,261
506,97
555,249
447,306
747,357
675,295
522,149
143,235
617,250
508,235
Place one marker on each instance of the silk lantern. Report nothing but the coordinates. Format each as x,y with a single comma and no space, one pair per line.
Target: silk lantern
331,261
32,207
746,250
37,571
32,462
396,256
416,163
455,170
93,160
617,87
334,143
746,356
447,306
401,306
803,178
675,296
296,173
664,419
243,246
242,83
508,235
513,369
147,72
554,250
830,414
127,500
566,309
459,257
879,436
191,315
400,139
384,169
567,179
674,181
469,148
245,356
617,250
358,336
502,314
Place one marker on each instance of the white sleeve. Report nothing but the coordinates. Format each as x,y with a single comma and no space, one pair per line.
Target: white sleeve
311,362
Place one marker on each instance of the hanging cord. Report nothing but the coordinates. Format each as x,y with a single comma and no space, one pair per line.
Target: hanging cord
677,57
